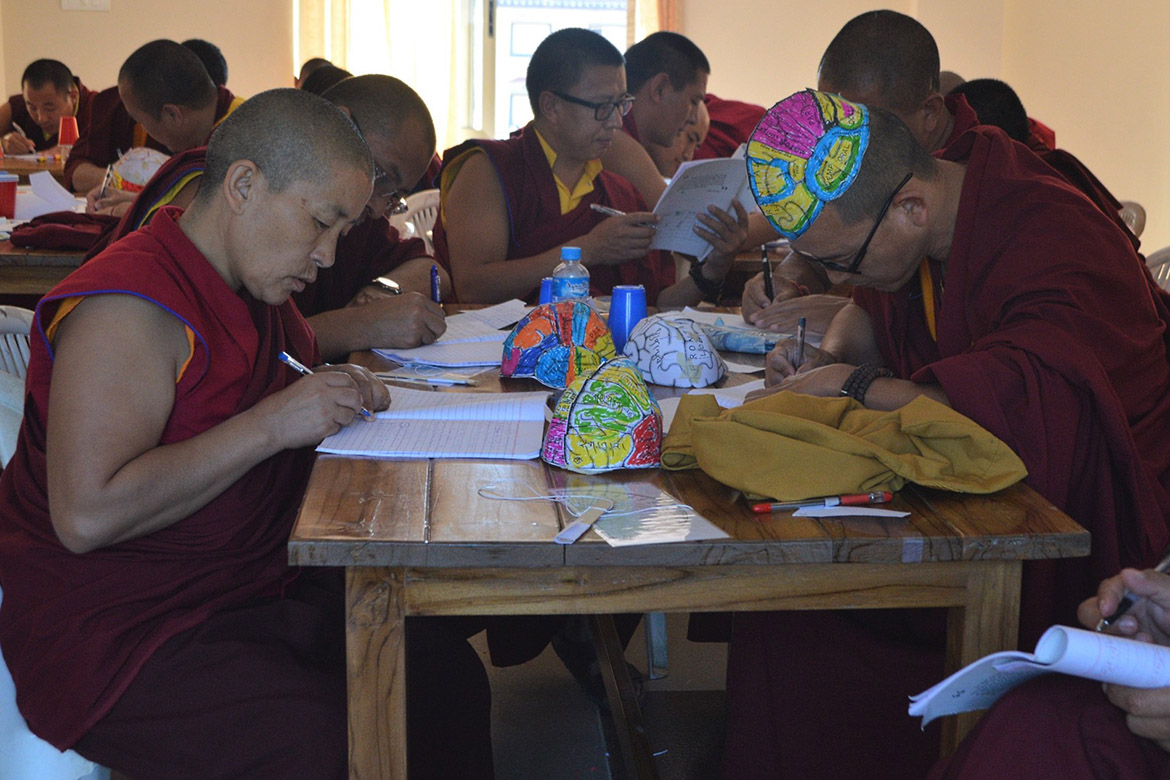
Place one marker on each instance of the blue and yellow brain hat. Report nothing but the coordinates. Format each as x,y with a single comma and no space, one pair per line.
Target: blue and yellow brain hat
805,151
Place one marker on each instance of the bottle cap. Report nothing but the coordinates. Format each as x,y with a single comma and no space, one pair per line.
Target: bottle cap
570,253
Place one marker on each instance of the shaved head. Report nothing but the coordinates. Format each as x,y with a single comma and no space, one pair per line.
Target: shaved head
884,54
162,72
291,135
383,105
892,153
42,72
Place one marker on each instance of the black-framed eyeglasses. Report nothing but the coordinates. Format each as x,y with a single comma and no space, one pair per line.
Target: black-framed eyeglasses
601,111
385,188
857,258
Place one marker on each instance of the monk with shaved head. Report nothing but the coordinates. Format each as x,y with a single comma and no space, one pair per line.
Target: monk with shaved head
348,308
150,617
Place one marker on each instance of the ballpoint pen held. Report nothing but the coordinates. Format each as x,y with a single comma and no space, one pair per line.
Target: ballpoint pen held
800,325
1129,599
769,290
304,370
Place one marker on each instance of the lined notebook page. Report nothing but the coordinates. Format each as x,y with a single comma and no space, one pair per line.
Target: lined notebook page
421,424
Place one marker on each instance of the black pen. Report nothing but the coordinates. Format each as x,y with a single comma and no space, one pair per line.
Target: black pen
768,289
1129,599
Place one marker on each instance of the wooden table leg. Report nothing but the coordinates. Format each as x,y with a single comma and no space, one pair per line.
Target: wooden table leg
987,623
375,650
623,702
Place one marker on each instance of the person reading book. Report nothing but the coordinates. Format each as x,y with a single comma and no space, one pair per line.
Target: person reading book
668,158
1078,729
148,599
980,268
509,206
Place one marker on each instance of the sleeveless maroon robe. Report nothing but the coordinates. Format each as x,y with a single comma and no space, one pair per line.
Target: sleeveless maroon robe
535,222
370,249
76,628
1052,336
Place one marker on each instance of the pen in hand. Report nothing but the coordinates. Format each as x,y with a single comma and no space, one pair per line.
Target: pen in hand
769,290
800,325
304,370
606,210
436,291
1129,599
105,182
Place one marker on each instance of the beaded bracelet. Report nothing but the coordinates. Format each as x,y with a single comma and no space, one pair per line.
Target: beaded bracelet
710,290
862,377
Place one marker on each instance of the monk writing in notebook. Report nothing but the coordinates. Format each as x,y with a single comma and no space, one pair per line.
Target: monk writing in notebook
150,618
48,91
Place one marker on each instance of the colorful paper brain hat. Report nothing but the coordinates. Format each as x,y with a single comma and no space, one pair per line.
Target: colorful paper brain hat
135,168
557,342
805,152
606,419
674,352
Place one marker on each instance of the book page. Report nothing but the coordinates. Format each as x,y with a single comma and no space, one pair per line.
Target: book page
459,354
483,324
697,185
408,404
1075,651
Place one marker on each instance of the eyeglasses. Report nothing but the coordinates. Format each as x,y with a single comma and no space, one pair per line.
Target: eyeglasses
601,111
857,258
385,188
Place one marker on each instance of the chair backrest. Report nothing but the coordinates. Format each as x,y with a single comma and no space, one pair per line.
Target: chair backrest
15,324
422,209
1134,216
1159,265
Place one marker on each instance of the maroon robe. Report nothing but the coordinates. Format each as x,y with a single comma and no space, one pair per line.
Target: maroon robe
111,131
963,115
370,249
1051,335
1041,132
20,116
1058,727
77,628
732,123
535,222
1076,174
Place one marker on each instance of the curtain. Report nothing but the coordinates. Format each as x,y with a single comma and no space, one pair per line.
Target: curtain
648,16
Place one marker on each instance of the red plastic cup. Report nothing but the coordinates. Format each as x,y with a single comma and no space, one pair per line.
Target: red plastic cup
67,132
8,194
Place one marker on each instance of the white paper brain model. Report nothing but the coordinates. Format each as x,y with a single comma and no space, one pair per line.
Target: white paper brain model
134,169
674,352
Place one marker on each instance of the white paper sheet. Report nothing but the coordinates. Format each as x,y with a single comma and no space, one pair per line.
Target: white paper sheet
45,195
483,324
459,354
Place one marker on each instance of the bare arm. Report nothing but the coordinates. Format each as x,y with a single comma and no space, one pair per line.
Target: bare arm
630,160
86,176
476,221
109,479
388,321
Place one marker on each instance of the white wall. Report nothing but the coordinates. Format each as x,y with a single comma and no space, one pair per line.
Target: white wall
1097,72
255,36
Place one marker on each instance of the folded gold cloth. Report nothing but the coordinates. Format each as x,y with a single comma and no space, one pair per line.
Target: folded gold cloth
789,446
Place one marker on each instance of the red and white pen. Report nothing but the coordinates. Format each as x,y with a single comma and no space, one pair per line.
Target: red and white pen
853,499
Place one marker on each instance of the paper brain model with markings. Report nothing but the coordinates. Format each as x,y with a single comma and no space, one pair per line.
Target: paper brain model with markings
606,419
674,352
557,342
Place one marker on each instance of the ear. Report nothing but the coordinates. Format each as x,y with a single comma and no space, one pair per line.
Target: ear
934,111
549,105
657,86
173,114
241,185
910,205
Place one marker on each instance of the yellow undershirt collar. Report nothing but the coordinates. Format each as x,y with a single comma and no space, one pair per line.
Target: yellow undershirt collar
570,199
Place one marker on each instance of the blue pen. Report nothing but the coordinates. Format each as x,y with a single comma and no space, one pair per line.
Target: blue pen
304,370
436,292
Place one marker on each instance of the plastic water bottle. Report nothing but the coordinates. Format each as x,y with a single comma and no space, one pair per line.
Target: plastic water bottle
570,277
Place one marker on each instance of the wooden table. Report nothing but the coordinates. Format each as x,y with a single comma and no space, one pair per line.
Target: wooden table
23,168
416,538
34,271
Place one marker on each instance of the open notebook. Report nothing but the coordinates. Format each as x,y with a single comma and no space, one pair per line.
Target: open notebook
427,424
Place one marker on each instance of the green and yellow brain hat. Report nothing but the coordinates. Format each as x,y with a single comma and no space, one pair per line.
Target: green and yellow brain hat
805,151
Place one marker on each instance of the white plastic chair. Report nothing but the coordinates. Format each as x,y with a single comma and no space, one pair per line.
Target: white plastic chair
1133,214
419,218
1159,265
23,755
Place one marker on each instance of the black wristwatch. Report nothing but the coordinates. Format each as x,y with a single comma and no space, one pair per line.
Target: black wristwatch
710,290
